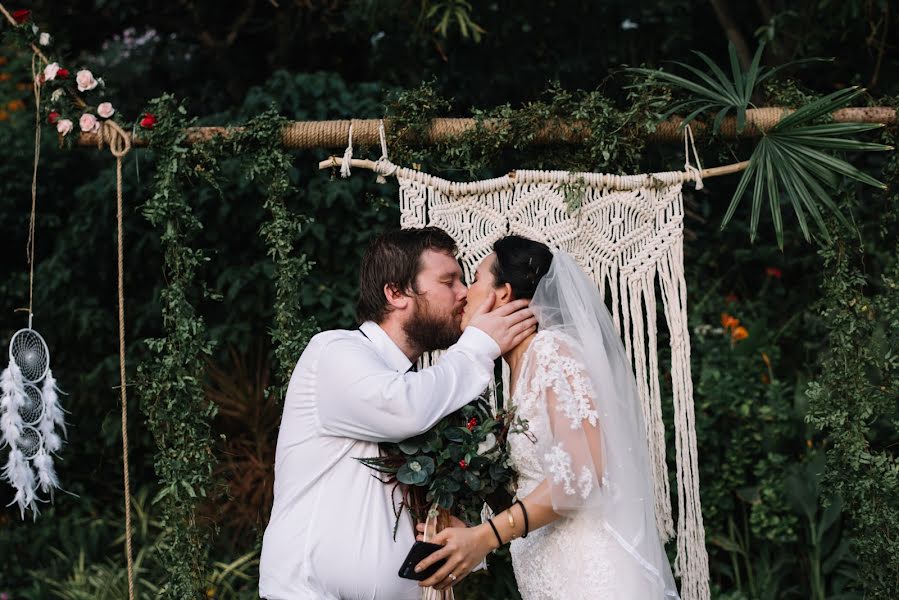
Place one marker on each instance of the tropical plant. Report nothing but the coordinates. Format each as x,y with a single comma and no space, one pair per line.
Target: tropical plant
789,159
715,93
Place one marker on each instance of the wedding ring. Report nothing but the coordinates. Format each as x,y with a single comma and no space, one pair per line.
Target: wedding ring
452,577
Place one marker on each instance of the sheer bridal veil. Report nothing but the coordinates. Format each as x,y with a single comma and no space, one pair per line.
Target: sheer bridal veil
608,449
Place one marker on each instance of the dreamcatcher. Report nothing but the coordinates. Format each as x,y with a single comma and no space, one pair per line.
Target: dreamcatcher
30,413
30,416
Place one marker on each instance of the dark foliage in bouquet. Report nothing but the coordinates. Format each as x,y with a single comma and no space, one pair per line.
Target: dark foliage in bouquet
459,464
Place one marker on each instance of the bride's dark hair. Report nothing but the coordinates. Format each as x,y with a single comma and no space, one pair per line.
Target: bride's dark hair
521,263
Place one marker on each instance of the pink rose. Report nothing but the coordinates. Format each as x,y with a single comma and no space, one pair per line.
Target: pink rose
64,126
50,71
105,110
89,123
85,80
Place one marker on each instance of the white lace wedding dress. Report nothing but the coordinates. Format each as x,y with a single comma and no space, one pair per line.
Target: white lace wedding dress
582,555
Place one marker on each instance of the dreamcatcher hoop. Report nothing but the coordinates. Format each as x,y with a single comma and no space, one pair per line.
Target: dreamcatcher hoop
29,351
30,442
32,411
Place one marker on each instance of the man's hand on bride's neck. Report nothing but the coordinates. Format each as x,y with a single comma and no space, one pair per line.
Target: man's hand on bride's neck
509,323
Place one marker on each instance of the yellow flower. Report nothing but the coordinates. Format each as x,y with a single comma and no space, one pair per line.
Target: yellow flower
4,116
739,333
15,105
5,76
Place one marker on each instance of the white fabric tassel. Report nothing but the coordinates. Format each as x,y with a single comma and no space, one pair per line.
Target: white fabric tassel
46,474
12,400
19,474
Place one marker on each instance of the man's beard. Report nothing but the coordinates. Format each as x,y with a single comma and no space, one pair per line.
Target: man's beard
428,331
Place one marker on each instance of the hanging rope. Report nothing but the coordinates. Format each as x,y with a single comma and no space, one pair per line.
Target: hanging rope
689,168
119,144
36,85
347,155
382,137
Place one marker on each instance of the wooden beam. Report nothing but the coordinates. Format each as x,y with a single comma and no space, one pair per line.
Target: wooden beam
305,135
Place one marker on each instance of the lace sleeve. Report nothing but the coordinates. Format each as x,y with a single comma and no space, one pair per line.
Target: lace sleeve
572,455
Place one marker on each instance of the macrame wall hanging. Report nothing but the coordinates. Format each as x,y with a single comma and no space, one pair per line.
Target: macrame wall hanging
627,233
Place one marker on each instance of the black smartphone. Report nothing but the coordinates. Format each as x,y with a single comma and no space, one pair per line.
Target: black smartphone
418,552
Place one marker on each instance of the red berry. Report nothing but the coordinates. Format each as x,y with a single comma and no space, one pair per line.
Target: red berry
463,465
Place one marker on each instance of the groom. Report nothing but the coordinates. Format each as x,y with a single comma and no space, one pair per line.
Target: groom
330,536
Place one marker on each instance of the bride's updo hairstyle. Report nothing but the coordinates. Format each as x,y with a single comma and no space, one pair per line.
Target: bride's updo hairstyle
521,263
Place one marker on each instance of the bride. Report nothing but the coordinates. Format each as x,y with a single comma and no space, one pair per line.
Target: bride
584,523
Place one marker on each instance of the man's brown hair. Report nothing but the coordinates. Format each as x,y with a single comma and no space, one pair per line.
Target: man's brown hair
394,259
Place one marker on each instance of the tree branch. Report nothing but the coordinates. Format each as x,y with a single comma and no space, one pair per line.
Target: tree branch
732,32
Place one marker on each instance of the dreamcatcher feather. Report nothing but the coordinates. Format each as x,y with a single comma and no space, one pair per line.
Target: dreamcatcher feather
30,417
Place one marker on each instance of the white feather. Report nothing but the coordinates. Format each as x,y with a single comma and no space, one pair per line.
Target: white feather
53,413
20,475
46,474
12,399
52,443
11,381
10,427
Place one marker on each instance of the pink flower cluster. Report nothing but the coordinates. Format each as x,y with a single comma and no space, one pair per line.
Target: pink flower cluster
92,118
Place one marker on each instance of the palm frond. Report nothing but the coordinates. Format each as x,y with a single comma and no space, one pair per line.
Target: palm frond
722,94
792,162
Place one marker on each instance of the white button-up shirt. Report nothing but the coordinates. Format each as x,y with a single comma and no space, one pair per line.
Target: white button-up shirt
331,531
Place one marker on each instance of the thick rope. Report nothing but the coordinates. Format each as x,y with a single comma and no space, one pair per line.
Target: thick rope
119,145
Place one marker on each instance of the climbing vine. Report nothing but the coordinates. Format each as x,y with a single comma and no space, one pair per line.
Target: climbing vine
178,415
854,400
613,133
171,381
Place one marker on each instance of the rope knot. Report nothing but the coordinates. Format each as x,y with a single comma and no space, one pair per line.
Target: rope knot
112,135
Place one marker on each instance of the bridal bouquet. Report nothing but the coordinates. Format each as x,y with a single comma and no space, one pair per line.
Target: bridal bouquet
459,465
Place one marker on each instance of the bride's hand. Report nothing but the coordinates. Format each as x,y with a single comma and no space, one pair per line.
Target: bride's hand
454,522
463,548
